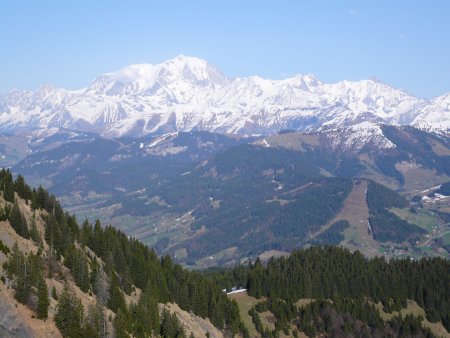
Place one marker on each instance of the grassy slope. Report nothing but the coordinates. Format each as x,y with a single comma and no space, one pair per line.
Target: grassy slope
356,212
245,303
414,309
422,218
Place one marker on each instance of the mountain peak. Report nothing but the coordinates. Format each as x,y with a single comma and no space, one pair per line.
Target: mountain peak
305,81
195,70
374,78
147,78
188,60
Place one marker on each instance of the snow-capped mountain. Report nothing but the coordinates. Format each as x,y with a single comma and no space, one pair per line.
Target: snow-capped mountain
436,115
187,93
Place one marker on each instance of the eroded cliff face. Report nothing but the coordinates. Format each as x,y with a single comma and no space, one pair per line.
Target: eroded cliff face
11,321
18,320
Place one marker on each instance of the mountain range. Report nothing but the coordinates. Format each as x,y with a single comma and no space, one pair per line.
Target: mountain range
214,170
188,94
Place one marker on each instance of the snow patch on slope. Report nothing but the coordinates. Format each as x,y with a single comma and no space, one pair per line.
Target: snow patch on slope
356,137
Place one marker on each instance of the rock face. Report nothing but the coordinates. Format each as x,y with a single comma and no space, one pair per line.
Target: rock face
11,323
187,93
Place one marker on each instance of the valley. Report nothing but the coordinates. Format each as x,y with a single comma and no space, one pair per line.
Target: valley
144,186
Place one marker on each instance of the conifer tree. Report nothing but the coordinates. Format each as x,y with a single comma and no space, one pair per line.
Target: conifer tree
147,313
18,269
24,232
43,300
23,283
34,233
171,326
22,189
116,298
69,315
35,268
42,198
18,221
7,185
15,261
77,262
121,325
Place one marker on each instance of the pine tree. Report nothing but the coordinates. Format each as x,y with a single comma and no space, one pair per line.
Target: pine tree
23,283
24,227
147,313
34,201
35,268
34,233
17,221
116,298
15,261
7,185
18,269
121,325
43,300
42,198
22,189
170,325
69,315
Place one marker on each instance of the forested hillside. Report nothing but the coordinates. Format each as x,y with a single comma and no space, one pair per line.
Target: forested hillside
385,225
103,262
343,289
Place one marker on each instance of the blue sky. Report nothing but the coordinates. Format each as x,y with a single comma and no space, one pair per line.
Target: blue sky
69,43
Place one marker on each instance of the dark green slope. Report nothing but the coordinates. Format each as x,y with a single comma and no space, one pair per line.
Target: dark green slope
385,225
254,198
